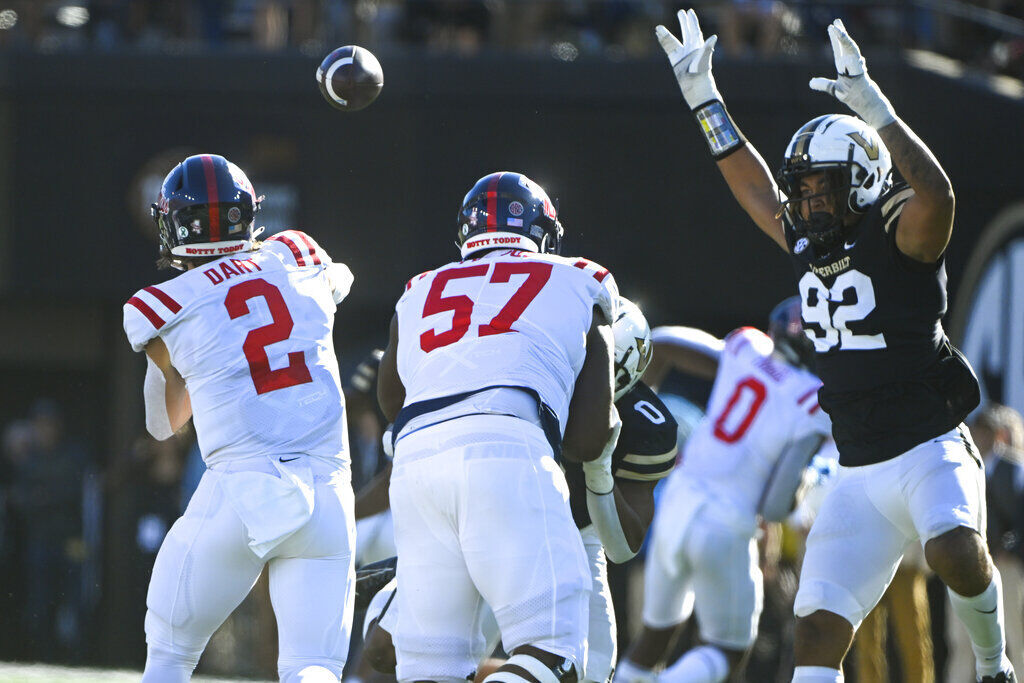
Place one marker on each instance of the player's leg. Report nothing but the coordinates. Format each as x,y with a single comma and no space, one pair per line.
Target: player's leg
602,643
312,586
727,584
437,633
668,592
947,501
852,553
203,570
524,551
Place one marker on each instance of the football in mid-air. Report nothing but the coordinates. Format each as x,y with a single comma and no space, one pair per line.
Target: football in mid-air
350,78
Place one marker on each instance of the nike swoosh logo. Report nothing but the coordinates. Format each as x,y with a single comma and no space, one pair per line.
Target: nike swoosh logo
991,611
288,459
848,245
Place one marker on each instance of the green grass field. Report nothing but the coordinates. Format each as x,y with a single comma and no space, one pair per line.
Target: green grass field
42,673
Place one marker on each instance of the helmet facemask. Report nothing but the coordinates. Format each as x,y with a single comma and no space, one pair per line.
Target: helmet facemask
633,347
825,229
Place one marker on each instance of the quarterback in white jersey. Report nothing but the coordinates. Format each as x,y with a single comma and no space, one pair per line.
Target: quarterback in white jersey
742,463
241,342
491,359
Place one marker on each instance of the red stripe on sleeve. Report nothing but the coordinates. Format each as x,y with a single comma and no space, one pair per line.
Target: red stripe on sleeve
212,194
806,396
172,305
599,274
304,238
145,310
291,245
815,409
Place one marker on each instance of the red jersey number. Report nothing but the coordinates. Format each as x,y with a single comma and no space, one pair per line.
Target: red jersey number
755,391
254,347
537,275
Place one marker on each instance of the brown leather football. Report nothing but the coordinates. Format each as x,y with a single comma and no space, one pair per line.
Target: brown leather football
350,78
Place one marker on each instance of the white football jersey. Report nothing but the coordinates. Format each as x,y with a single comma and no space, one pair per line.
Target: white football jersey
508,318
759,406
252,337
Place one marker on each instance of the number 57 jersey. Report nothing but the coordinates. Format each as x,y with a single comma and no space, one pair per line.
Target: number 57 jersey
252,337
508,318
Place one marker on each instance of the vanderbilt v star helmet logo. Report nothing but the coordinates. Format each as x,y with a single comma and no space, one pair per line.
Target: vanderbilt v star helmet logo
870,148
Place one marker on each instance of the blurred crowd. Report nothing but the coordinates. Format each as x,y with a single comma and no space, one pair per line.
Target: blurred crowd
988,34
78,538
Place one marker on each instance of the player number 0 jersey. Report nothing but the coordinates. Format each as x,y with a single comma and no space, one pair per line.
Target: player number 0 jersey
759,406
252,337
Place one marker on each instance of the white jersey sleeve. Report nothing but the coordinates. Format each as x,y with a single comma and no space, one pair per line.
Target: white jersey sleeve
146,313
297,248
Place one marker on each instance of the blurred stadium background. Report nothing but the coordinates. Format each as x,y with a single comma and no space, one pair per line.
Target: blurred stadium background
99,98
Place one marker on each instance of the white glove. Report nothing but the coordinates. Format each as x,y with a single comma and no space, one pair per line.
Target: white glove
691,59
598,473
852,85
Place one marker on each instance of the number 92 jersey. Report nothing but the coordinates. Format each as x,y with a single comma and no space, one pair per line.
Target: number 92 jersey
891,378
252,337
507,318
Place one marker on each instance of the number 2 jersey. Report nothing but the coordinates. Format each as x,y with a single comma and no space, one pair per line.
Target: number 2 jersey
252,337
508,318
759,406
892,380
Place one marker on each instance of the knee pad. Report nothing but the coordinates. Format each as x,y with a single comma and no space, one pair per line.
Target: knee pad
542,672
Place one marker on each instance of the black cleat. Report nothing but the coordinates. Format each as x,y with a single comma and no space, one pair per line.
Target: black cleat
1001,677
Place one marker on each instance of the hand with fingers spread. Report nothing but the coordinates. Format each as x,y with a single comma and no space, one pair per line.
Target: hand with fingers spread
852,86
691,59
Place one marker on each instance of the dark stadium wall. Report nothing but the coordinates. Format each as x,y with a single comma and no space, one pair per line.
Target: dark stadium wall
380,188
88,138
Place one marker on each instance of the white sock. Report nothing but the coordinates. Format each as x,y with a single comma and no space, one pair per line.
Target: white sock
982,616
628,671
704,664
817,674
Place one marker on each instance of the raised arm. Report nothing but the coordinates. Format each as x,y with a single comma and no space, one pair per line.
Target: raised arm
744,170
681,348
926,222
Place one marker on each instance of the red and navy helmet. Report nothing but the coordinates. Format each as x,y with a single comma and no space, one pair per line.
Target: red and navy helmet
508,211
786,328
206,208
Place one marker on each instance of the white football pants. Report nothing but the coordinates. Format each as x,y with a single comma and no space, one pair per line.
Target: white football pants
481,514
206,567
